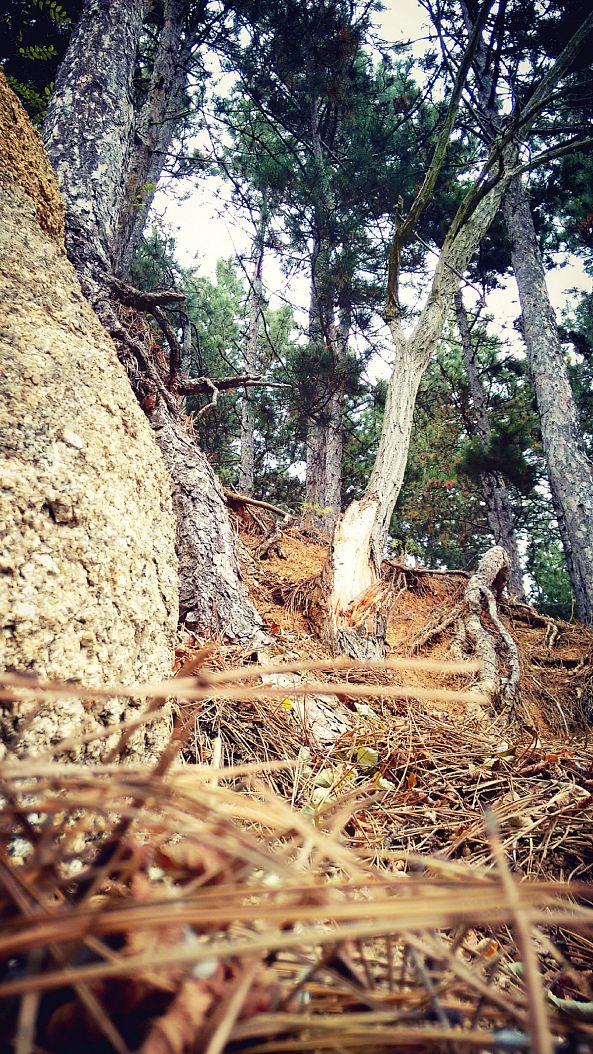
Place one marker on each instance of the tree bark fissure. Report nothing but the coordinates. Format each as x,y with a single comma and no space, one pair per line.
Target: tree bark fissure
570,469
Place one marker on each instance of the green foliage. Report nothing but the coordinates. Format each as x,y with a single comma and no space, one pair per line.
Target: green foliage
34,35
546,565
503,452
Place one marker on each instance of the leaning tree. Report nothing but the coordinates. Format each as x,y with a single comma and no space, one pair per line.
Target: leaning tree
361,532
125,80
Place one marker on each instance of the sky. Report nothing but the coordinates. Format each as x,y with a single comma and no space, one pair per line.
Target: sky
205,231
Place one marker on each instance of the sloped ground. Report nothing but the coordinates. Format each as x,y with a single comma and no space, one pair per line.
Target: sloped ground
392,882
556,656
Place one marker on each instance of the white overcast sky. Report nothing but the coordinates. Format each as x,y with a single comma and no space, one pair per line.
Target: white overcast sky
206,232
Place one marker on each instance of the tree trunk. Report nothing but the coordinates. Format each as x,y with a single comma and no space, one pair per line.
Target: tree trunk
570,470
354,569
252,363
88,590
324,434
90,133
154,124
499,511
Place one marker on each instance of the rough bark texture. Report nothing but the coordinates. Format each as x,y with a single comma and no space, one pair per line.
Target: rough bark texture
570,470
91,135
499,511
153,130
218,602
89,130
88,583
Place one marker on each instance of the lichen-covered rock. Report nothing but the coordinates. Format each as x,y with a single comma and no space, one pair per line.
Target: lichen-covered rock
88,573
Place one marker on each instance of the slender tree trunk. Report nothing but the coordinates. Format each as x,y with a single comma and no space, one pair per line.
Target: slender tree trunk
252,363
335,427
570,470
90,137
153,131
316,441
324,434
499,510
361,532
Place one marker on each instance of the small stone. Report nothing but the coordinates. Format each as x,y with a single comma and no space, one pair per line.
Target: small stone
45,560
72,439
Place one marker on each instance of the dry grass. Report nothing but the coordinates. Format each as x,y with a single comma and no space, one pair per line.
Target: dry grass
362,895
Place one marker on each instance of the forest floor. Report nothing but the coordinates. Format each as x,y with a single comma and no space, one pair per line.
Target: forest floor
351,857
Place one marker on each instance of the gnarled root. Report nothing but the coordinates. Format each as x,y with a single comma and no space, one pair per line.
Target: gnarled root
481,595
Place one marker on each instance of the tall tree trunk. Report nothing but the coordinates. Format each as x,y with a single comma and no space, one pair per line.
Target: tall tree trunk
154,124
325,424
90,136
570,470
316,440
361,532
324,434
252,363
88,589
335,425
499,510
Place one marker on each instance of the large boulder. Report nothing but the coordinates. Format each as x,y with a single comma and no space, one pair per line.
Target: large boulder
88,573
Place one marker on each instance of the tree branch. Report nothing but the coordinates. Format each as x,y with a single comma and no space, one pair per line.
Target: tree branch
202,385
404,229
130,296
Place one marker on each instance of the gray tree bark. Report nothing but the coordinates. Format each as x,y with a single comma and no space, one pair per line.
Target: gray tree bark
569,468
499,510
88,582
252,361
91,136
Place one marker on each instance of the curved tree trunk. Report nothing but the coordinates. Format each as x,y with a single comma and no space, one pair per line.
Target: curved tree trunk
92,132
570,470
355,570
88,589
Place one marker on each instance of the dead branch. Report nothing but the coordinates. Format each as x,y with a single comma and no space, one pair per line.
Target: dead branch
201,385
244,499
209,406
130,296
174,346
486,585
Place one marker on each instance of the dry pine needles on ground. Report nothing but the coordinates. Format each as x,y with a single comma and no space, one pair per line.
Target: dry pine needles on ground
369,906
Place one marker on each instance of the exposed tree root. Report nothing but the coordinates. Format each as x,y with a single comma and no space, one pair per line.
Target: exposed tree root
474,632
